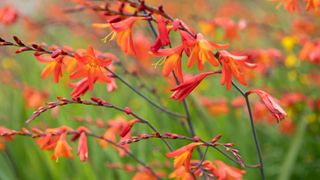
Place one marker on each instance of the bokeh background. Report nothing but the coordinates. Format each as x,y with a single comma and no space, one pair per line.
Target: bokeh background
273,37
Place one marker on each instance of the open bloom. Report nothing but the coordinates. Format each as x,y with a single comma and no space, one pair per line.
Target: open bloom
233,66
184,89
54,65
223,171
172,61
122,29
92,67
202,51
271,104
183,155
62,148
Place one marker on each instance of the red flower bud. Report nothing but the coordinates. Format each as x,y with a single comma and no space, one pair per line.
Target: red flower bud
127,110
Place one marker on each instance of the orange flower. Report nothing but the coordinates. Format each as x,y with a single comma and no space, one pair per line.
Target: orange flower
47,142
115,127
83,147
142,46
8,15
184,89
163,34
80,88
287,127
181,174
92,67
312,5
232,66
128,127
62,148
34,98
271,104
122,29
202,51
172,61
143,175
183,155
215,106
54,65
225,172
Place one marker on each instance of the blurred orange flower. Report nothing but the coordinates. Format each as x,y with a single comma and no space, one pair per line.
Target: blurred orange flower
62,148
182,156
122,29
8,15
34,98
226,172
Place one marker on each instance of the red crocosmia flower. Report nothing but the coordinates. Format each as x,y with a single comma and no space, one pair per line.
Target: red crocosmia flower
226,172
271,104
62,148
181,174
202,51
80,88
83,147
8,15
82,144
183,155
47,142
54,65
128,127
184,89
92,67
163,36
233,66
172,61
122,29
115,127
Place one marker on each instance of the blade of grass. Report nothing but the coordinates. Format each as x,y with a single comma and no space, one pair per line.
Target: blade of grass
296,145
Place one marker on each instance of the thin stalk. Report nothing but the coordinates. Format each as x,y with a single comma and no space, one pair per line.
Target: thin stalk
253,129
144,97
255,138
